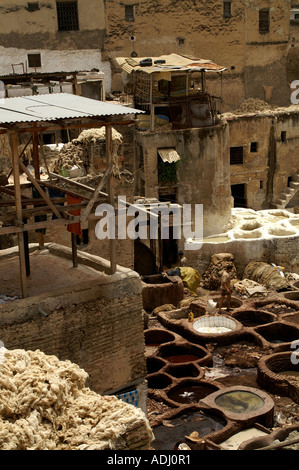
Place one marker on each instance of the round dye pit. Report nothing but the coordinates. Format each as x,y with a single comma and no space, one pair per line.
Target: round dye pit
252,318
278,308
190,391
214,325
293,295
239,401
180,371
280,373
278,333
154,364
156,336
234,303
243,403
183,353
159,381
183,424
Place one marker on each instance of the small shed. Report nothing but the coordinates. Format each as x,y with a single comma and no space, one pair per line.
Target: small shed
33,115
164,88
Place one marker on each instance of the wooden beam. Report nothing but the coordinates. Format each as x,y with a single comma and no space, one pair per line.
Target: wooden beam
39,189
18,204
112,242
97,191
38,225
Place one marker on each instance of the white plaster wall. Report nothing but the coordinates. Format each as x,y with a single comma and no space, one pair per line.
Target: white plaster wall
55,61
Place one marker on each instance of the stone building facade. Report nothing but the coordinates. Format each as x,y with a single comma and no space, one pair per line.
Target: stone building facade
250,38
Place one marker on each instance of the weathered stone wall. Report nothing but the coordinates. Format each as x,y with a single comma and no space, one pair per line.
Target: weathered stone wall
266,171
98,326
199,29
203,170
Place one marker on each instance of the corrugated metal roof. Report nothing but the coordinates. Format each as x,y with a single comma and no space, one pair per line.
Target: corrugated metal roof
173,63
56,106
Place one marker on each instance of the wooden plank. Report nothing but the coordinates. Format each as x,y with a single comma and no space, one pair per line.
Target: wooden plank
16,174
112,242
97,191
39,189
74,250
38,225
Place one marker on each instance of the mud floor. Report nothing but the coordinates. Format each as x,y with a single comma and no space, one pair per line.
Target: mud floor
47,273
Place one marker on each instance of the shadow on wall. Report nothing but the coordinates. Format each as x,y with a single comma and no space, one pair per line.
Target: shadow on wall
144,259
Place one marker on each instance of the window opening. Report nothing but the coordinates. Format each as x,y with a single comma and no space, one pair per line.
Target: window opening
264,21
34,60
129,12
227,9
67,16
236,155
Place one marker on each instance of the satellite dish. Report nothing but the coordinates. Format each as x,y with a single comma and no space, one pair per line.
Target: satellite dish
2,90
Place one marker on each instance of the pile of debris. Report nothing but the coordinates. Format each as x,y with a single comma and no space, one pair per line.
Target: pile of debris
212,276
253,105
44,405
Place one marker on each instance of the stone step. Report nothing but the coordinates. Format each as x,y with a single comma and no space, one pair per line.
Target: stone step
294,185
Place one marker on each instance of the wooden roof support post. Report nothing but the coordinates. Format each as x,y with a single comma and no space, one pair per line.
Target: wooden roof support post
109,155
18,203
152,107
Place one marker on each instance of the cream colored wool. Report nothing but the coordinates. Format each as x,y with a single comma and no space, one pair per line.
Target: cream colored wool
44,405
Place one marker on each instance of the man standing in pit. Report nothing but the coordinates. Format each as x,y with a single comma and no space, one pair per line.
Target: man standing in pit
225,288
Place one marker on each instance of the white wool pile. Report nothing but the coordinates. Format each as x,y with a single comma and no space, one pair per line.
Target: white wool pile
44,405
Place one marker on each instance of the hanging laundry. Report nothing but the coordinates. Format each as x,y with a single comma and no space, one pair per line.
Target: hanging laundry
76,227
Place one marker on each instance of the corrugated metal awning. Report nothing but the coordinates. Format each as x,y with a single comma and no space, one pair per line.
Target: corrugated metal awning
169,155
57,106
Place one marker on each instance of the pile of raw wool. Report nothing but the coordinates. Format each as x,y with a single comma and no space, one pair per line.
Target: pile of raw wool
44,405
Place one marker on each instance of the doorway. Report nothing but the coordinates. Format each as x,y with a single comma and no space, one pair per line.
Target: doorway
239,194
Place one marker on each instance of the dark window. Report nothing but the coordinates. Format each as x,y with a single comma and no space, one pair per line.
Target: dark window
129,12
67,16
261,184
227,9
32,6
283,136
264,21
236,155
34,60
181,41
253,147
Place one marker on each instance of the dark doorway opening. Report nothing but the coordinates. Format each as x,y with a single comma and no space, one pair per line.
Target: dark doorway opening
239,194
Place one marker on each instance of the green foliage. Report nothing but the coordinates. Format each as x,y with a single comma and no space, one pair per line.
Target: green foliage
167,172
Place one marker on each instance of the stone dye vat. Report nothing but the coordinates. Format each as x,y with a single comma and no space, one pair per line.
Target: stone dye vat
160,289
220,329
214,325
278,335
253,318
243,404
293,295
185,352
184,422
279,373
190,391
180,371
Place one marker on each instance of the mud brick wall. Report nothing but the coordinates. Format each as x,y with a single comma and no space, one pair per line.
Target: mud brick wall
98,326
